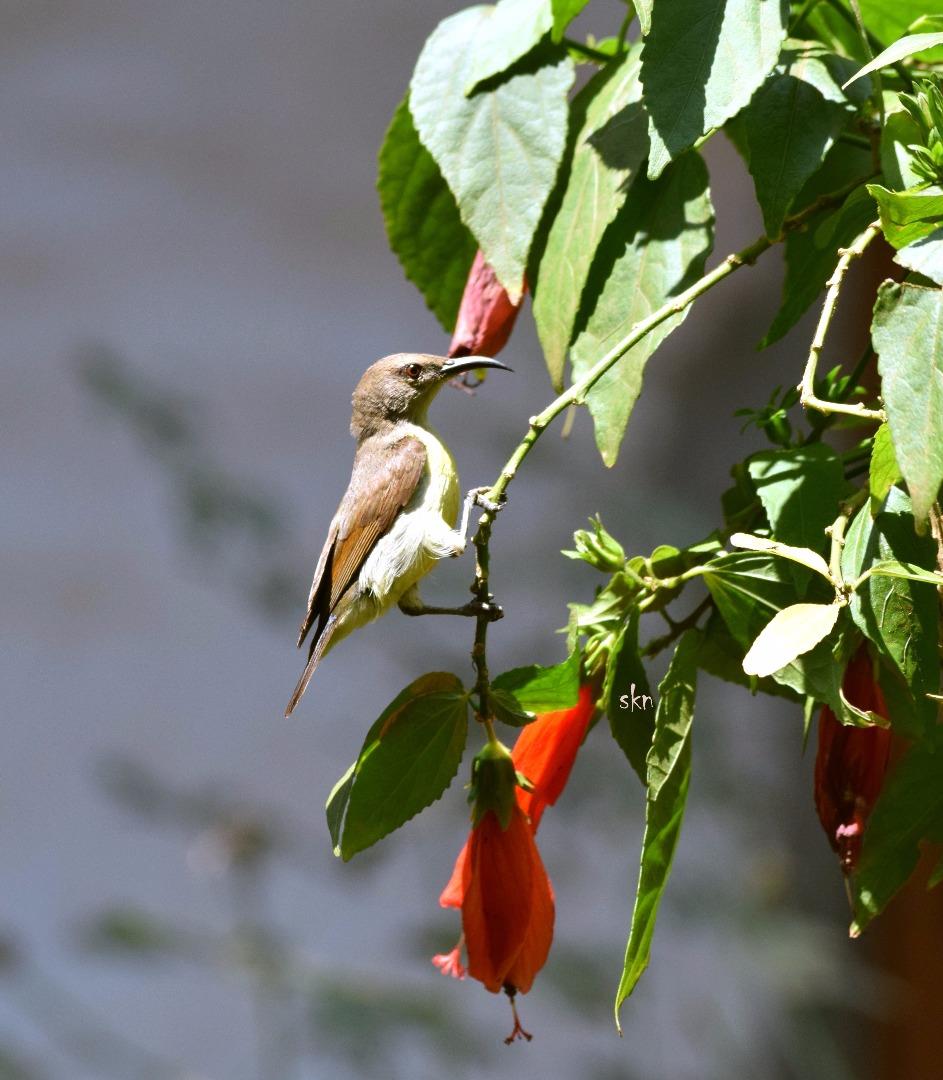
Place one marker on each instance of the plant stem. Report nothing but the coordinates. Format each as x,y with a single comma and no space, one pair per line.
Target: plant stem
807,396
576,394
836,532
596,55
657,645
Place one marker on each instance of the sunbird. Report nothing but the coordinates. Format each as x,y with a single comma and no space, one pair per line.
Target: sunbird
397,517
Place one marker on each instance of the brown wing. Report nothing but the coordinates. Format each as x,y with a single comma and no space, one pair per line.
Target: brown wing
384,479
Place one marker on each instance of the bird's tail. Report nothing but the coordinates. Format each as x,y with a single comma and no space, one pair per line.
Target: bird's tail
318,649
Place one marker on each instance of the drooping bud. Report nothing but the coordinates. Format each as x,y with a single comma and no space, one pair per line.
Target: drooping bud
486,316
851,763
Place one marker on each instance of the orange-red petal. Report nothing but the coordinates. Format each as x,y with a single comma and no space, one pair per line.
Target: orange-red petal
545,751
499,895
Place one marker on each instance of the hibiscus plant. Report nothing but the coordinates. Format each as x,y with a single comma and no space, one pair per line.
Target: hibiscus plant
821,581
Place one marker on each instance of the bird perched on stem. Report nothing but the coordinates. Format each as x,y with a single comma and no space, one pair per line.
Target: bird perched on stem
397,517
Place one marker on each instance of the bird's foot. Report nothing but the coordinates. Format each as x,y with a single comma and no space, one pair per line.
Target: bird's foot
478,497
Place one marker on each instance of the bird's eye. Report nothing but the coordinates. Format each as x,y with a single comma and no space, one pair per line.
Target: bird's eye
414,370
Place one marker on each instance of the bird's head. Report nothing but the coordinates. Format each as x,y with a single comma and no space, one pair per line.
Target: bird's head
401,386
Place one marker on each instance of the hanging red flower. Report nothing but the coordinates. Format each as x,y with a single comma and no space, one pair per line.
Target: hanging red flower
486,316
851,763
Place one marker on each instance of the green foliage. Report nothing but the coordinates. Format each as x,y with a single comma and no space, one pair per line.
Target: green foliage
668,776
799,488
701,63
409,758
509,30
822,548
543,689
901,617
908,337
908,216
792,122
655,247
498,149
564,12
625,675
422,221
909,810
884,472
610,147
811,256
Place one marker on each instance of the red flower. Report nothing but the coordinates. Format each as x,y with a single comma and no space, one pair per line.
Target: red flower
851,763
486,316
546,749
498,880
507,904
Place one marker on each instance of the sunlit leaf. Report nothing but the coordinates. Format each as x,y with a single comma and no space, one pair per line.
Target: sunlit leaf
656,246
499,149
701,63
610,147
790,633
908,336
907,46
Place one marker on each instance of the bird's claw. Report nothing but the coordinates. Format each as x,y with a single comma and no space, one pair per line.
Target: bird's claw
479,499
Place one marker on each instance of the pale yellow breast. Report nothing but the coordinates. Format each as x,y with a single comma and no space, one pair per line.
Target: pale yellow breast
438,489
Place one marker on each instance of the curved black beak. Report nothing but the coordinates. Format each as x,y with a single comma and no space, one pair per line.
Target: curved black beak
458,365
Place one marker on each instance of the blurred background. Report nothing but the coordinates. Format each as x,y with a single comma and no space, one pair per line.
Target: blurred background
194,275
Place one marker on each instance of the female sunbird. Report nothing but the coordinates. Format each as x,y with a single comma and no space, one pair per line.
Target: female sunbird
397,517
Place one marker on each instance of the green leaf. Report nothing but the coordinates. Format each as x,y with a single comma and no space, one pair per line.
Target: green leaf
409,758
422,221
669,774
748,590
818,674
610,148
790,633
908,572
656,246
702,62
632,728
790,124
909,809
543,689
884,471
908,336
901,617
564,12
801,555
800,489
908,216
890,19
507,709
899,133
907,46
336,806
498,150
720,655
811,255
643,8
924,256
511,29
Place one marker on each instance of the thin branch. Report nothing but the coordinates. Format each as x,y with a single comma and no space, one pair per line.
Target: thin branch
659,644
807,396
576,394
596,55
